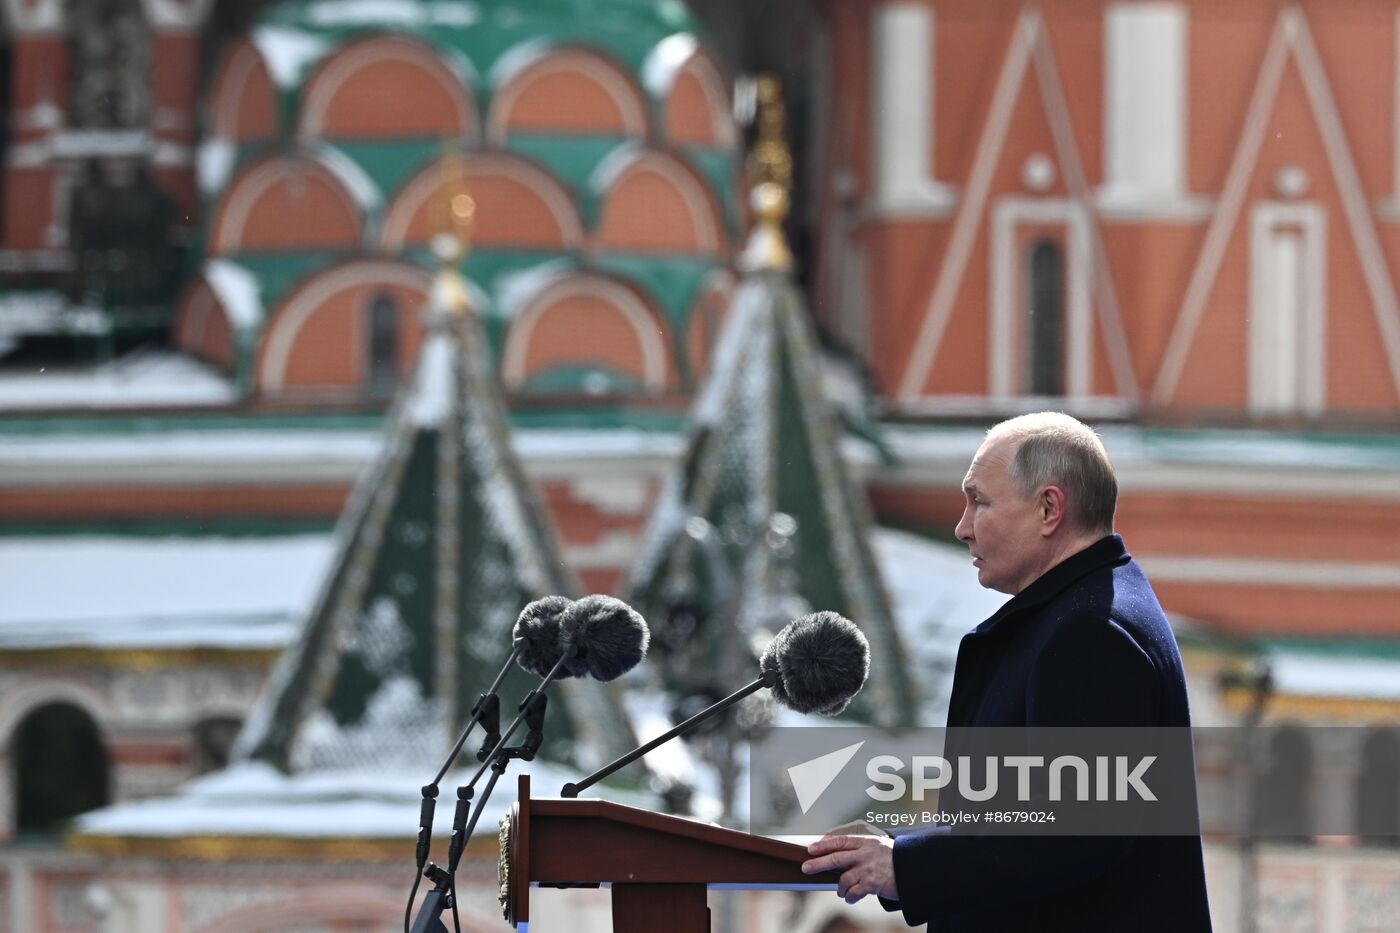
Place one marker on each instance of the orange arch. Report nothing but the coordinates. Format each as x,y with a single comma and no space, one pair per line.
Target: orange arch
315,339
285,202
656,203
202,327
243,100
360,91
587,319
517,204
698,111
566,91
705,321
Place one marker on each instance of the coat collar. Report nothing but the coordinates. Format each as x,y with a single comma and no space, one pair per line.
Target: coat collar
1107,551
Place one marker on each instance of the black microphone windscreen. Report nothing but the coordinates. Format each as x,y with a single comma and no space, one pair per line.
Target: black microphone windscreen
610,636
536,632
822,659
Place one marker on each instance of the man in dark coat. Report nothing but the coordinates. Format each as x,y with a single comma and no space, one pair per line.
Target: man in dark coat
1082,642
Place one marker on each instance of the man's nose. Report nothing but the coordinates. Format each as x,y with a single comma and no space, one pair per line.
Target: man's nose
963,530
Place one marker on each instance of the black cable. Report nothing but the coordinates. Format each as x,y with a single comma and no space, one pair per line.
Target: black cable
408,911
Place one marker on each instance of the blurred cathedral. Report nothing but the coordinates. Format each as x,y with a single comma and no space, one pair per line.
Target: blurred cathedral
221,272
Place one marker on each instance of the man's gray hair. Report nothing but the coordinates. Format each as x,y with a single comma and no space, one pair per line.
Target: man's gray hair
1054,449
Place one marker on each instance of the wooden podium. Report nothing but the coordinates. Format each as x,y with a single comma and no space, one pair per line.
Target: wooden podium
659,866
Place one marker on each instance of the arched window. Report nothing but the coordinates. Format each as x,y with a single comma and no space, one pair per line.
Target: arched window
382,346
213,741
1282,812
1378,790
61,768
1044,326
109,65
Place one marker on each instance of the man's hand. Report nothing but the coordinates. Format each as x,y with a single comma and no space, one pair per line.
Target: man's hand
866,864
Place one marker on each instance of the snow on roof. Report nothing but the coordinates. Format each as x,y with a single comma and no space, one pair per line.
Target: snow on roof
246,453
214,163
431,401
255,799
1315,674
237,289
108,591
514,290
287,51
153,378
666,61
401,13
211,629
47,312
211,453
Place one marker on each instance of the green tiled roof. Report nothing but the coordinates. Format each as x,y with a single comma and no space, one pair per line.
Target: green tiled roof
390,162
670,281
573,160
482,31
296,36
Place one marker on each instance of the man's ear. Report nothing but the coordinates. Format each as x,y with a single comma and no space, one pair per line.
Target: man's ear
1051,503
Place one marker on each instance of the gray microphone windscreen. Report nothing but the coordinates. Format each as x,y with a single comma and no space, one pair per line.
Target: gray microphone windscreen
610,636
536,632
822,660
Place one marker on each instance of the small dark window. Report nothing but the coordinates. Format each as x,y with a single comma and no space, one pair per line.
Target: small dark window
213,741
61,768
382,364
1045,350
1378,790
1281,788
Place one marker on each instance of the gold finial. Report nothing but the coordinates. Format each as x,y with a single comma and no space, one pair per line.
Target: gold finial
454,212
770,166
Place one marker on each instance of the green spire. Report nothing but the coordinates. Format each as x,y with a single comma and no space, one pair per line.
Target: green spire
442,543
762,520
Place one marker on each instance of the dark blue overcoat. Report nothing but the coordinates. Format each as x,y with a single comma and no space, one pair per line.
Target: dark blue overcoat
1086,644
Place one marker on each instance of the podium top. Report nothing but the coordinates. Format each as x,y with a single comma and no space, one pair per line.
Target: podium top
569,841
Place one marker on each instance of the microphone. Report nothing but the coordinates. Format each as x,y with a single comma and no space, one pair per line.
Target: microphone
535,647
816,664
597,637
604,637
536,635
822,661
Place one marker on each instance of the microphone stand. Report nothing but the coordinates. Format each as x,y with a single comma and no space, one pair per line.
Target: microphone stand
532,710
769,679
486,712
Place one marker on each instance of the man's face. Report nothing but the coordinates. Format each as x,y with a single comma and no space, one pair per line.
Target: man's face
1001,528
